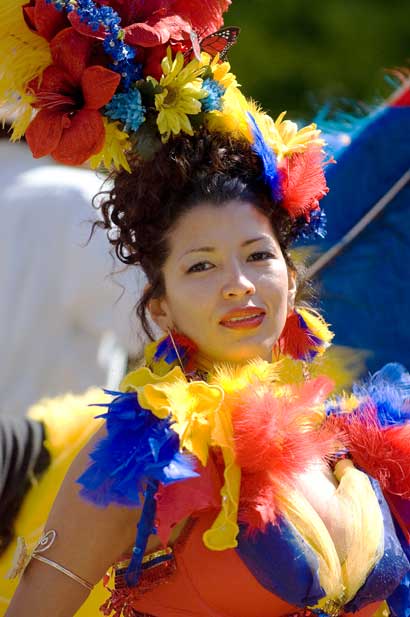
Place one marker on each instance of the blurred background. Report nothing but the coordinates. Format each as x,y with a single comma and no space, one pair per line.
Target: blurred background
298,54
307,56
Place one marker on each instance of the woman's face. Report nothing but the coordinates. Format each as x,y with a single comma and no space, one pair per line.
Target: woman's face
226,282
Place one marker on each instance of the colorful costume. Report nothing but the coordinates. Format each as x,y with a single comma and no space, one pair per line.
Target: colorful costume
225,448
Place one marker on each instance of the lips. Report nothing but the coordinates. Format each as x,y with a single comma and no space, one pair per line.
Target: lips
246,318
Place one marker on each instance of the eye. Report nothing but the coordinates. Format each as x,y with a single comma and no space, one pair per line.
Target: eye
261,256
201,266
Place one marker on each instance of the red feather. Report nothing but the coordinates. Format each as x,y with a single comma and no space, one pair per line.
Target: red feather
296,341
382,452
305,182
273,444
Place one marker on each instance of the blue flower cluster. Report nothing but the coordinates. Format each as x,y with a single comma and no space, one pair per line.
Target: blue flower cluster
105,17
130,72
127,107
60,5
215,93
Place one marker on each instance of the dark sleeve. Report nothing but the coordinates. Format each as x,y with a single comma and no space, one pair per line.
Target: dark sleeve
23,457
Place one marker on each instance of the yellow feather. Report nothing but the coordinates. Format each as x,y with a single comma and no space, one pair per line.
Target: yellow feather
70,423
316,325
233,378
304,517
23,56
364,526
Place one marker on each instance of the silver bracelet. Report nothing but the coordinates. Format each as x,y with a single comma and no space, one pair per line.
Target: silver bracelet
22,559
60,568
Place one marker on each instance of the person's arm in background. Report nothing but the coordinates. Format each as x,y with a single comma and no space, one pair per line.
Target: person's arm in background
89,539
24,457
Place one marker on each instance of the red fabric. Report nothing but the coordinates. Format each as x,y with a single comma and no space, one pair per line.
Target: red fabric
403,98
212,584
68,124
177,501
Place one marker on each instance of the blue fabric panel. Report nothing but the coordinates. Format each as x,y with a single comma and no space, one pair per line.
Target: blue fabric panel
282,562
389,570
365,290
399,601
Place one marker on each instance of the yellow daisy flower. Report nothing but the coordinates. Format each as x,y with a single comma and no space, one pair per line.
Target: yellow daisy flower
180,95
116,144
284,137
232,119
220,70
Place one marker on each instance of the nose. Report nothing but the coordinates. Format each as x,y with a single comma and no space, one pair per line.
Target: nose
238,285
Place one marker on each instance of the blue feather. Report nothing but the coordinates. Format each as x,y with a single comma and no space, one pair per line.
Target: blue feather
138,448
271,174
389,391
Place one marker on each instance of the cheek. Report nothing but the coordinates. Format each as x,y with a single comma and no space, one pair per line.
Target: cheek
190,306
273,286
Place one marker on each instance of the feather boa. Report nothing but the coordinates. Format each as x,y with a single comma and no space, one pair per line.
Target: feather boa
377,428
277,436
138,448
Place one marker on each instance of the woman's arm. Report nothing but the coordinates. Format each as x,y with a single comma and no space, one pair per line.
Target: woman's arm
89,539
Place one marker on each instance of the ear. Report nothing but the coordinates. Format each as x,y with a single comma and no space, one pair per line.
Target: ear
160,314
292,289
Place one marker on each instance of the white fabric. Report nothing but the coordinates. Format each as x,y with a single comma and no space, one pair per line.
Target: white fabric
58,300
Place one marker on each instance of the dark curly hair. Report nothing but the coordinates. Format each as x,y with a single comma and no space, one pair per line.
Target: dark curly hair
144,205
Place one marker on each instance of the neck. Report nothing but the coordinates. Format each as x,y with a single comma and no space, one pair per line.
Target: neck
206,363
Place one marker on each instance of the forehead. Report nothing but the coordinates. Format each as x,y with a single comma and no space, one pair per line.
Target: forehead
214,225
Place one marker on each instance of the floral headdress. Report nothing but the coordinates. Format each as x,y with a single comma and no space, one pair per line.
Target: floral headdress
97,81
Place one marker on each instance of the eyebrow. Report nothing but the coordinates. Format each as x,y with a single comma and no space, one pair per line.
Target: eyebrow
210,249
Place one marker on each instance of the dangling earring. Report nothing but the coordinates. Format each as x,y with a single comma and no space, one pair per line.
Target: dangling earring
175,349
305,335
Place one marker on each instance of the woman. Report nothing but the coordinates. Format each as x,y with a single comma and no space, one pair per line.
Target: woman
219,274
236,468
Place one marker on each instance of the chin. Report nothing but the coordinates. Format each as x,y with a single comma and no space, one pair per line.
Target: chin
245,353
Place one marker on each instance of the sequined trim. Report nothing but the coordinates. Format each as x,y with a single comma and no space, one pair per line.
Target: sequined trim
156,568
331,611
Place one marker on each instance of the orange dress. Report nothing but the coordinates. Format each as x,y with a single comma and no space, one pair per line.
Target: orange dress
204,583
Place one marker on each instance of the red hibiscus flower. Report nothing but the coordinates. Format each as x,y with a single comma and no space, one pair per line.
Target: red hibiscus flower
148,23
44,18
152,25
69,94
